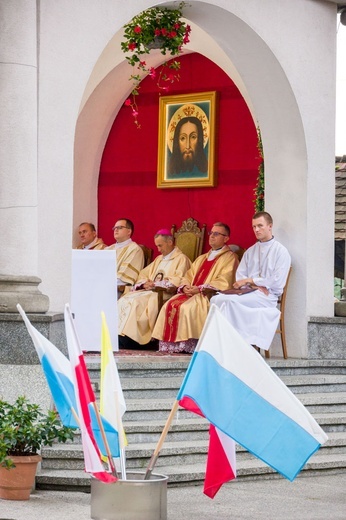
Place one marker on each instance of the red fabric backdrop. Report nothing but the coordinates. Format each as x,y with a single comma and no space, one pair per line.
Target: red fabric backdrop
127,181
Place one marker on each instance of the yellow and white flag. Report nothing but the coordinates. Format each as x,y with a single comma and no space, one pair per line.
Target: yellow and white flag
112,402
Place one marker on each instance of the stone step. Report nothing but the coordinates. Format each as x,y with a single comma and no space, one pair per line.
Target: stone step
305,383
151,409
167,387
253,469
158,409
150,431
141,366
178,452
150,387
307,366
55,479
197,428
180,430
193,474
317,402
331,422
137,456
173,366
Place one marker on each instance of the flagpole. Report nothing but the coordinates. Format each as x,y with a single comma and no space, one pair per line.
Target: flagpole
123,464
173,411
121,434
102,431
76,418
157,450
107,360
104,438
105,442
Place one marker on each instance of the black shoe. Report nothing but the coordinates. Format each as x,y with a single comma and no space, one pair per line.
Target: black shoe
128,343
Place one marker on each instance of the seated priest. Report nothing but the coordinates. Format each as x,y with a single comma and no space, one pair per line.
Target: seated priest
181,319
138,309
263,270
88,237
130,257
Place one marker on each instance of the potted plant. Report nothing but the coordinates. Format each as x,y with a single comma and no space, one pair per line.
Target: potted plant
24,428
155,28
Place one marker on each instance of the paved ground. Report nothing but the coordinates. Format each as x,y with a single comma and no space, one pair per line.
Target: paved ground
307,498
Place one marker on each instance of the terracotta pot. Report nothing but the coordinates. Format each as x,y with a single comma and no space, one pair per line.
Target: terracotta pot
17,483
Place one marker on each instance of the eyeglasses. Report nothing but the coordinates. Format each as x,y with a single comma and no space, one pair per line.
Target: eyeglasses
119,227
216,234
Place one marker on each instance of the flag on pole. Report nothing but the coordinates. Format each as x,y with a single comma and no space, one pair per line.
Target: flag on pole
57,370
235,389
112,402
84,397
221,462
221,459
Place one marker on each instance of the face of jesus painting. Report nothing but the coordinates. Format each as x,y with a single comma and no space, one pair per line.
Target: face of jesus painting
188,156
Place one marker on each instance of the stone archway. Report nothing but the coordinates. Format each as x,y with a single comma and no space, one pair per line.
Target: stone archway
232,50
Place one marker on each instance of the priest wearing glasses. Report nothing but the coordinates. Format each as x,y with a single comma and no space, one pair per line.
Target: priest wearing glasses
130,258
181,319
260,279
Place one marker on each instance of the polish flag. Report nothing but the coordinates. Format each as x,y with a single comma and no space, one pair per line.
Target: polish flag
84,397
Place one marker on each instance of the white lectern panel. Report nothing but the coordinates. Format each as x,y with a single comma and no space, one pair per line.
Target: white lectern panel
94,289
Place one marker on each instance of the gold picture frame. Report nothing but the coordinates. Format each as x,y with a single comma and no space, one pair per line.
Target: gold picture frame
186,160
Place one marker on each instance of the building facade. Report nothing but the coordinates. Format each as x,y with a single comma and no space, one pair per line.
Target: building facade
64,78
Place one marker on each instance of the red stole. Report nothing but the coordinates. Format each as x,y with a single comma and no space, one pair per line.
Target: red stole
173,306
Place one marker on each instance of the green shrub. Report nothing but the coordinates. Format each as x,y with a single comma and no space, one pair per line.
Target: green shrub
24,428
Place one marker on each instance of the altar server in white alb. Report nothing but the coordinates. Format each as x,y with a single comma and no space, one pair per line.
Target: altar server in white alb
264,267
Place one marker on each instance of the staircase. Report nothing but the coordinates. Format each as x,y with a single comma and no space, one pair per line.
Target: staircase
150,384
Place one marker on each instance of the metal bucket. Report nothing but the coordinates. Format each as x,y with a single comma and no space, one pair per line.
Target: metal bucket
131,499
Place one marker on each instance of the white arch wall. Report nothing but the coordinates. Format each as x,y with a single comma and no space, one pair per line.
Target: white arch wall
292,98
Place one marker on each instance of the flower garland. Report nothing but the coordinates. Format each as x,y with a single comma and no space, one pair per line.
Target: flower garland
259,190
157,27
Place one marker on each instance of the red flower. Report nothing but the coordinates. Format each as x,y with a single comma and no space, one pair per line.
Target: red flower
172,37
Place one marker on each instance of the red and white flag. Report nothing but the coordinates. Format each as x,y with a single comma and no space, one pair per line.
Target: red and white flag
84,396
221,458
221,462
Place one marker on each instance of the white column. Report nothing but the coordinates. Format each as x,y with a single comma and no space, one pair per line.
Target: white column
18,137
18,157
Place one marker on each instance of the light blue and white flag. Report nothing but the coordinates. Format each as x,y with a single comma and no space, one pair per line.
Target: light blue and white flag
235,389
